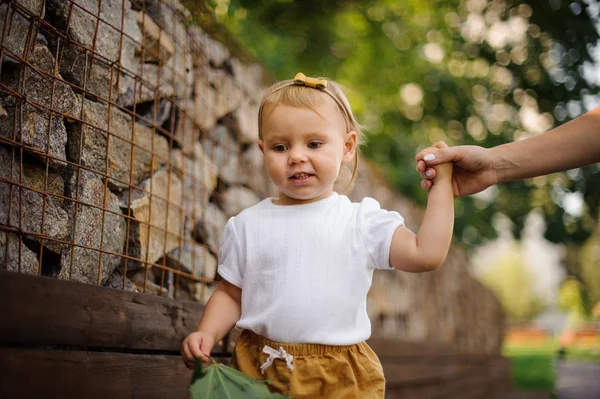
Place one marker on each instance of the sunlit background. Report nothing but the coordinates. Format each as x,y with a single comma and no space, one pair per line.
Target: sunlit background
467,72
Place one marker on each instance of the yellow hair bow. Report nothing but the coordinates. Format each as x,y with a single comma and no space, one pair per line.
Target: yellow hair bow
301,79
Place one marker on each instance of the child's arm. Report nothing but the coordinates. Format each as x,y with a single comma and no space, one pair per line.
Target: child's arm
427,250
222,311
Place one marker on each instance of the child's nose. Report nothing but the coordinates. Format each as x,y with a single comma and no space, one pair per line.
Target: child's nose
297,155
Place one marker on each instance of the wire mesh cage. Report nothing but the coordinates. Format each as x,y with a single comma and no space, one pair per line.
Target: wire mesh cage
125,137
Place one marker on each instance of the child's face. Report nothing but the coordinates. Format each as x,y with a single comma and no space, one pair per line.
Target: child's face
304,150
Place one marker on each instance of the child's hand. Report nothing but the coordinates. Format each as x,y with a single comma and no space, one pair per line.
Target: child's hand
443,172
196,345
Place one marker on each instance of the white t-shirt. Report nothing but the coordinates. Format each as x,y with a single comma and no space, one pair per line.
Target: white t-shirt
305,270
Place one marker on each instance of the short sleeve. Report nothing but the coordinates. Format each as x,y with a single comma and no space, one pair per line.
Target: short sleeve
376,227
231,256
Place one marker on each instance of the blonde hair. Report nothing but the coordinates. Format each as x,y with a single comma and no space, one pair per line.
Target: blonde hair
290,93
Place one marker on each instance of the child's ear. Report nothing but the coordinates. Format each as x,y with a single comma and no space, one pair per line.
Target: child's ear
350,146
261,145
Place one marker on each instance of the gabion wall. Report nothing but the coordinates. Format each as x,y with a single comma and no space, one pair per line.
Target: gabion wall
125,137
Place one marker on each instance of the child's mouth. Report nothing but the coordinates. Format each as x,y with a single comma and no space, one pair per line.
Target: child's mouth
301,176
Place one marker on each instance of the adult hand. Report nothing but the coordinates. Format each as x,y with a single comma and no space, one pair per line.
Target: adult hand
474,167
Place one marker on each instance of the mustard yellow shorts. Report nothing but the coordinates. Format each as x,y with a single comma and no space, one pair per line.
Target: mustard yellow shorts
318,371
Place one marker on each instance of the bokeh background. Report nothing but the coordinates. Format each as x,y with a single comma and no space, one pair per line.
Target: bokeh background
482,72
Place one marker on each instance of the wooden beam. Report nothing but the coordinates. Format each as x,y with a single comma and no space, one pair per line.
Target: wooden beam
46,311
41,373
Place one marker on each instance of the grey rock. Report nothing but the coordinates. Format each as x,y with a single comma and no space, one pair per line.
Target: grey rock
93,71
88,144
252,167
143,282
38,129
237,198
153,81
199,177
93,228
216,95
209,230
203,292
211,51
159,219
20,23
10,247
224,151
193,258
25,208
115,281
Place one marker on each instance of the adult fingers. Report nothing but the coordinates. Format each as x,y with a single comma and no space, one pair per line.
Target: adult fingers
435,156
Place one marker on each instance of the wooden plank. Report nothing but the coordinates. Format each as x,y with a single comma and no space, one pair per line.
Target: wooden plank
45,311
40,373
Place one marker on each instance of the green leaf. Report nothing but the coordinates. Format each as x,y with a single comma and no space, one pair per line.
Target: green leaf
218,381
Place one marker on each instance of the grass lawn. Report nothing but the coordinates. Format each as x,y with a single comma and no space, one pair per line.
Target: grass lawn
532,367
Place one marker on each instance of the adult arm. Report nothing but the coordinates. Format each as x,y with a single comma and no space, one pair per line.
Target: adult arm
572,145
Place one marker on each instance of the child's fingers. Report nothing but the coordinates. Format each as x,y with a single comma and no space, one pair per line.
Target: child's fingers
426,184
187,354
429,173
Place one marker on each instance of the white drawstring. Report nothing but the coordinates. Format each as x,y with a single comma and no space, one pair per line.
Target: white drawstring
274,354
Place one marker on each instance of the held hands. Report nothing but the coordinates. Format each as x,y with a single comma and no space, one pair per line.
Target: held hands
196,345
474,167
442,171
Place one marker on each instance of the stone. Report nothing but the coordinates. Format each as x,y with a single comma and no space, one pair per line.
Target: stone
199,177
194,259
244,121
159,222
252,167
210,229
144,284
224,151
115,281
93,230
88,145
38,130
38,87
216,95
158,46
15,256
34,205
211,51
153,81
104,44
251,79
19,23
147,115
187,132
203,292
237,198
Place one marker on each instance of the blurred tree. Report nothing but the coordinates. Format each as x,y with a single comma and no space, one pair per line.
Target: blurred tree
482,72
573,298
514,286
590,265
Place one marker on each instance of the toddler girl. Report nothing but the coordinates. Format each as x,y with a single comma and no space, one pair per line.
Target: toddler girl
296,269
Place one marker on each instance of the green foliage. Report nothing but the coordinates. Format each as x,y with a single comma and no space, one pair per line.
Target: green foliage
532,368
467,72
514,286
218,381
574,298
590,265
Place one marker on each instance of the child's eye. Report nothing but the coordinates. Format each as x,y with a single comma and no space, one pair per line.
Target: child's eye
279,148
314,145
